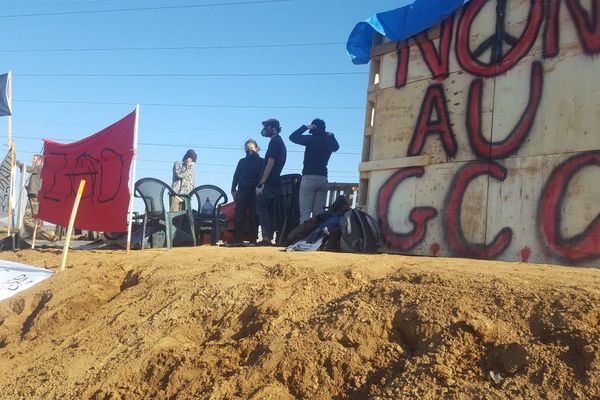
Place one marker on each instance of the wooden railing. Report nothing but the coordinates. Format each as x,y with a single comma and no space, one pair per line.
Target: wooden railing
350,190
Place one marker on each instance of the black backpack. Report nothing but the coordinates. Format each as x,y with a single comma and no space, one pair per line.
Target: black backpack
359,232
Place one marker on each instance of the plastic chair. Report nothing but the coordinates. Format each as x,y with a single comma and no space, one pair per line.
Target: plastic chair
152,191
213,221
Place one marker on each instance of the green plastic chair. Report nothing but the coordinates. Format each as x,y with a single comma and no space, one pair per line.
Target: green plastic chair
152,191
213,222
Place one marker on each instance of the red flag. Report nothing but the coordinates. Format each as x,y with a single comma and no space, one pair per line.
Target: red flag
103,160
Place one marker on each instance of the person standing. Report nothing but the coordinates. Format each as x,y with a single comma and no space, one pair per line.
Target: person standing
34,184
184,180
319,146
268,187
243,188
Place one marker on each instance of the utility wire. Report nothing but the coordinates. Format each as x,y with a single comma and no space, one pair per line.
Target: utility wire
174,48
141,167
198,146
232,166
156,8
221,147
285,170
257,75
199,163
232,130
78,3
117,103
178,129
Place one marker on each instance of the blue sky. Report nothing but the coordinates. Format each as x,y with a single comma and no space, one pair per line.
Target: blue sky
48,105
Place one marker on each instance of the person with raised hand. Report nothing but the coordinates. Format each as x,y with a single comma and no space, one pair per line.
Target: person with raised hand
184,179
319,145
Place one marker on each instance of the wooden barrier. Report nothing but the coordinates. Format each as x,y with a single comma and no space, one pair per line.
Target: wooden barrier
482,139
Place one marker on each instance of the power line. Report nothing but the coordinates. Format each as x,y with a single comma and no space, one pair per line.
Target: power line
165,129
156,8
178,129
199,163
175,48
198,146
257,75
78,3
221,147
233,166
118,103
142,168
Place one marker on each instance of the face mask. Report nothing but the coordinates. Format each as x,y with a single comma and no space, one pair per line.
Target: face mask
265,132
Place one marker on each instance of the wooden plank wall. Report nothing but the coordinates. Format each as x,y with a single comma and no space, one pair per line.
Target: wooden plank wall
485,139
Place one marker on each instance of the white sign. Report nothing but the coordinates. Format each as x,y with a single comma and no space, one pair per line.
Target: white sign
16,277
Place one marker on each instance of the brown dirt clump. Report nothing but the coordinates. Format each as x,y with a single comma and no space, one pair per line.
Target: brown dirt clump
237,323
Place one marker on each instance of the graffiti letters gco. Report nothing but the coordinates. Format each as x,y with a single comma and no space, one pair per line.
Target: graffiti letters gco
505,52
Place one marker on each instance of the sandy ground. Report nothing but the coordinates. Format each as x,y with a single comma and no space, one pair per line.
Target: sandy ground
238,323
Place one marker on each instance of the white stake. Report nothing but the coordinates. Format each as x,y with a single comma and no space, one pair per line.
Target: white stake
35,226
71,223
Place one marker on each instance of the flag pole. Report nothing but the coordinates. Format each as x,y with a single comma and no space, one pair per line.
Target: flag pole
9,99
19,206
11,149
133,165
21,197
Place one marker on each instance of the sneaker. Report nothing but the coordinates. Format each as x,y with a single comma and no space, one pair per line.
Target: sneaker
264,243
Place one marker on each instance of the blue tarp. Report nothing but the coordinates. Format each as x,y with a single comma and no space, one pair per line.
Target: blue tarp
413,17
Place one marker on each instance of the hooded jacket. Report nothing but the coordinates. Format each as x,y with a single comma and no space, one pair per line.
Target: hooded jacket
319,146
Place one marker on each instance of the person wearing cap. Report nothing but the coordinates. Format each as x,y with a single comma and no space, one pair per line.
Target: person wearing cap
184,180
268,189
34,184
319,146
243,189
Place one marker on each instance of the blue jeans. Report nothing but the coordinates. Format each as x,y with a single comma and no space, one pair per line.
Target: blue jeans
266,210
313,195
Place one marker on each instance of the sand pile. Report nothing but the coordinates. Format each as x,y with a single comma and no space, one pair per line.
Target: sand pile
216,323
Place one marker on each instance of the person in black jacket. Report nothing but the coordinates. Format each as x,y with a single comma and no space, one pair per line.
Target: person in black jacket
319,146
243,188
268,189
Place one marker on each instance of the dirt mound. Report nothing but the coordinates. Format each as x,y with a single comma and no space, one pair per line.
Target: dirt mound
214,323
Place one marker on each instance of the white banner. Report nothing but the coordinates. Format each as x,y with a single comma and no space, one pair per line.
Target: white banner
16,277
5,185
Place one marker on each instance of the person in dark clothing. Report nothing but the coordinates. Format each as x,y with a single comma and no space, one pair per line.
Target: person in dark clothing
269,184
34,184
319,146
243,188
